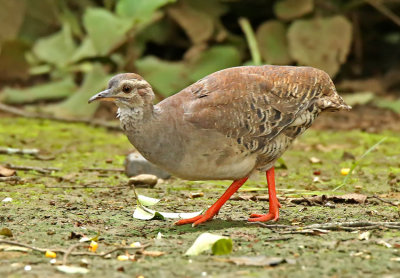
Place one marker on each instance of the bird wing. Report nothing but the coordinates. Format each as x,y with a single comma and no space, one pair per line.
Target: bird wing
246,103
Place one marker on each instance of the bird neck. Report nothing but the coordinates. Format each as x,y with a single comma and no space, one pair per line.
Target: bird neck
133,118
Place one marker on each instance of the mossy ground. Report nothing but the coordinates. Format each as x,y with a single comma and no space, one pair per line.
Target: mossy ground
46,209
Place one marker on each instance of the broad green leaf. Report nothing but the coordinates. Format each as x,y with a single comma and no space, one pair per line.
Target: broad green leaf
41,19
222,246
144,213
359,98
167,78
49,91
105,30
213,59
290,9
12,15
85,50
147,201
393,105
197,24
272,43
139,10
76,106
321,42
57,48
206,241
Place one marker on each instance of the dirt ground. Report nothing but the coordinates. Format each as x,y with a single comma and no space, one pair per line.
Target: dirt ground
53,210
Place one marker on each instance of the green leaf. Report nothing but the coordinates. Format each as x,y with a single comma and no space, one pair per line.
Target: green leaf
140,10
49,91
272,42
206,241
393,105
290,9
321,42
222,246
57,48
213,59
85,50
197,24
76,106
167,78
105,30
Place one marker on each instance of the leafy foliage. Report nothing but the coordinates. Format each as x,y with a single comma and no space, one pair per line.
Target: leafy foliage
171,43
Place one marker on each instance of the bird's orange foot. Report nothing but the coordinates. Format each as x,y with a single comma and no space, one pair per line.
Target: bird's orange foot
195,220
274,216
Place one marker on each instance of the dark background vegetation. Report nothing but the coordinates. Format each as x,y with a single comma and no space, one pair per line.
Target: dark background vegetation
65,51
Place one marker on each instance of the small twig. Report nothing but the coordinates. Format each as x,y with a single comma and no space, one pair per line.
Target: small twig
43,170
104,170
70,253
86,186
18,151
355,163
336,226
25,114
385,11
277,238
7,179
384,201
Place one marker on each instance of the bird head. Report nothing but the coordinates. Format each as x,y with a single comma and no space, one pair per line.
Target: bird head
127,90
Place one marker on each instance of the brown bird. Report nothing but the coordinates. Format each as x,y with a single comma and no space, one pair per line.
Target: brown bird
225,126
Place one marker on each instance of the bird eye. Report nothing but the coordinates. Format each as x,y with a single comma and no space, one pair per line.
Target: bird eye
126,89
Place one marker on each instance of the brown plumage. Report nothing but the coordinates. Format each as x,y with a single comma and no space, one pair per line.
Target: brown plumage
226,125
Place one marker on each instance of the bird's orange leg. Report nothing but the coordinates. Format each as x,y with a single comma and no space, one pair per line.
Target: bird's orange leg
213,210
274,205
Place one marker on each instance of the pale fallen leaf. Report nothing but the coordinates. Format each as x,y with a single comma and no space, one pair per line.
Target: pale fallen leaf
384,243
364,235
5,172
144,213
315,160
72,269
207,241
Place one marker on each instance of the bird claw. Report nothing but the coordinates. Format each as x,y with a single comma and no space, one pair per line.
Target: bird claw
274,216
194,220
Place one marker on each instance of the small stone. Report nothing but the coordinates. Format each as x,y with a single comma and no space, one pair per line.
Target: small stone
136,164
143,179
51,232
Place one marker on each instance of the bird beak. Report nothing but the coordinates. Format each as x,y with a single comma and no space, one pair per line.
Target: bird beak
105,95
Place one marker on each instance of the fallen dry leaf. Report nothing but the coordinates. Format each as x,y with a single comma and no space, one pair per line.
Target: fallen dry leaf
5,172
351,198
